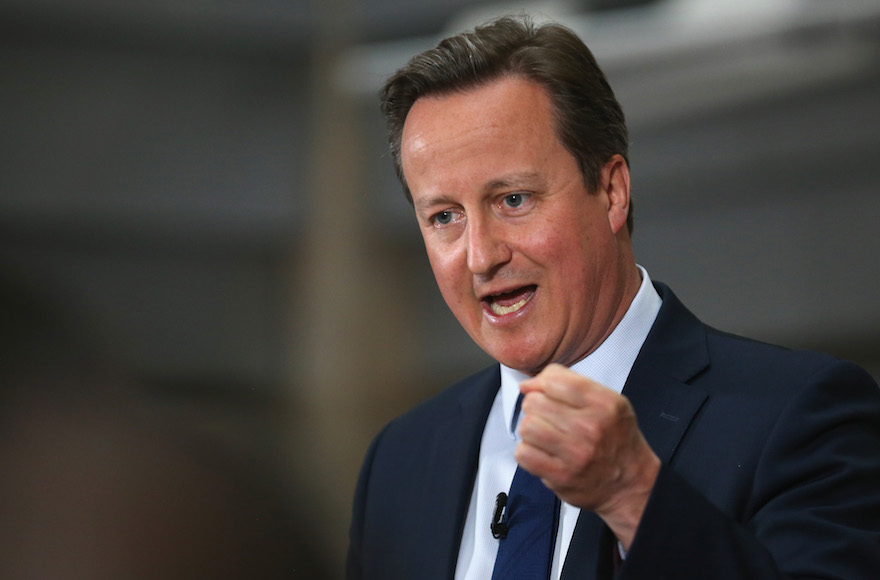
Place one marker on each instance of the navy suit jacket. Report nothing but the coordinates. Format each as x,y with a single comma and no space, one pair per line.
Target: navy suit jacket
771,468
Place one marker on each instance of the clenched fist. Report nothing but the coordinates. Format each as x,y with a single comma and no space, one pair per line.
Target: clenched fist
583,440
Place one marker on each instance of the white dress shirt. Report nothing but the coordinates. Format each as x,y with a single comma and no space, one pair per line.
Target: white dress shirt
609,365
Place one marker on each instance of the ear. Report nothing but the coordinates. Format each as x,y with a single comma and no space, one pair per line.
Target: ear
614,183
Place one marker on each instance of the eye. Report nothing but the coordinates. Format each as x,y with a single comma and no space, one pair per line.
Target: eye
444,218
515,200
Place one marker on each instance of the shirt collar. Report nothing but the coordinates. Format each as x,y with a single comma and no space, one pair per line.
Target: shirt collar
610,364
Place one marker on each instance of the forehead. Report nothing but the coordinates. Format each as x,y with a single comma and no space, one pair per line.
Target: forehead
508,100
510,115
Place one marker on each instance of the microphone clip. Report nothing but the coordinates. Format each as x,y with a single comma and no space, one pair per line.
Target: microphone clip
499,516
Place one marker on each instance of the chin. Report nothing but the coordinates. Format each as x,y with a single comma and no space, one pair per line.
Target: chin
528,365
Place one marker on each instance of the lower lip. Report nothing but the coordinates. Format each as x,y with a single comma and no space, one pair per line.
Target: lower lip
502,318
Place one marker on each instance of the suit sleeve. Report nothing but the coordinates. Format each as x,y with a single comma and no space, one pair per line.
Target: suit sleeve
814,503
354,564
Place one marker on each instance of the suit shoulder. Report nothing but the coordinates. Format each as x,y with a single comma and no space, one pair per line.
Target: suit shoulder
469,394
746,358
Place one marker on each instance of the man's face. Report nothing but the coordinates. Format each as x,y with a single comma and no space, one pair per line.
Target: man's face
532,265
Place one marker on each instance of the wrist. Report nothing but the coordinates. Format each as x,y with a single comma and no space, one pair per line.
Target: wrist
624,511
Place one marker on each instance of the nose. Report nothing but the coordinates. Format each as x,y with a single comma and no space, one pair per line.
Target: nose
487,248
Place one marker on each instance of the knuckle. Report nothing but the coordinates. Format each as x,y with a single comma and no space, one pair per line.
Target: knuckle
582,455
526,427
529,402
588,428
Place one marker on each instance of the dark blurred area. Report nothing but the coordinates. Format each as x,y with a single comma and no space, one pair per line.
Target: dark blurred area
214,294
101,480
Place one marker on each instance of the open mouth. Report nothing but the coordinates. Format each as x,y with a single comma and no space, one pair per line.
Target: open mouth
510,302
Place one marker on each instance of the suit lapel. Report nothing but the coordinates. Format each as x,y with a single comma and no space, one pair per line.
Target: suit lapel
658,385
589,553
452,459
674,352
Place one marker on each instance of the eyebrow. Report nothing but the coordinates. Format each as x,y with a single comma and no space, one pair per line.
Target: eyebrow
425,204
526,178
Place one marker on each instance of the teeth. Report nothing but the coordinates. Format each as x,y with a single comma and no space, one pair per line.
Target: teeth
501,310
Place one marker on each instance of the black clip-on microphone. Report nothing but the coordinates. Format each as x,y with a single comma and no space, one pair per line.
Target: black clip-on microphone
499,525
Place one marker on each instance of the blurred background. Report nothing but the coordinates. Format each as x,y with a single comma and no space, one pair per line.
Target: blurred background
214,294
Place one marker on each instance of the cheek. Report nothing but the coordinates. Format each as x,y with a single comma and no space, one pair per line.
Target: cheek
553,246
567,266
449,275
440,263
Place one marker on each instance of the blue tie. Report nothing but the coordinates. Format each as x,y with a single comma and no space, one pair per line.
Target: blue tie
532,517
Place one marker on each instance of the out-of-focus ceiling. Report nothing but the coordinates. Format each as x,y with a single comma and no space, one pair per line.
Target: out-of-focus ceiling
266,24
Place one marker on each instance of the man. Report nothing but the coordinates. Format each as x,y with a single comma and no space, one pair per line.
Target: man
677,451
